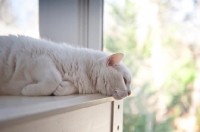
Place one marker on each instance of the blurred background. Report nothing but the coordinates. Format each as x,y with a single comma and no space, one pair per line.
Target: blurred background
161,43
19,17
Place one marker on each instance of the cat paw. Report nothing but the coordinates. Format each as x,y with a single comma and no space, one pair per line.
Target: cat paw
59,90
65,88
25,91
29,90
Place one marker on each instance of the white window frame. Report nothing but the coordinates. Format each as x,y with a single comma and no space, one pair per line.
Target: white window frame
78,22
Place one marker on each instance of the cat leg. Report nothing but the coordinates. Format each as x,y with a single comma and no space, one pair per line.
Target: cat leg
46,76
45,87
65,88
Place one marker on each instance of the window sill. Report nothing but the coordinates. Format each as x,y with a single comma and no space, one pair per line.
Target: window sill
19,108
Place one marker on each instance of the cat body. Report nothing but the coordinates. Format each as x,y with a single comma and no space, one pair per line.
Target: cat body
34,67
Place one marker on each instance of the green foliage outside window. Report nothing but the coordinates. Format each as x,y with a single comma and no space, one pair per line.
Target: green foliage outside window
163,61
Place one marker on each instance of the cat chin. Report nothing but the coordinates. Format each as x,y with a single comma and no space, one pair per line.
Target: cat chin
117,97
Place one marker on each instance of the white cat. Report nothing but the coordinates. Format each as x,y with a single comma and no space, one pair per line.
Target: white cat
35,67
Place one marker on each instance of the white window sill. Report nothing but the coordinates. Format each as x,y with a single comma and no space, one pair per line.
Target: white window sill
15,108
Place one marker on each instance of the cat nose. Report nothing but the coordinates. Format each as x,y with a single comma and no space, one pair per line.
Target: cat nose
129,93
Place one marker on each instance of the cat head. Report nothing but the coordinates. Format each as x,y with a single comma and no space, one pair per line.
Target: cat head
115,77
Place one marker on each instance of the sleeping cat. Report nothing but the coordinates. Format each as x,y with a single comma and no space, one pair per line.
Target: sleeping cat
34,67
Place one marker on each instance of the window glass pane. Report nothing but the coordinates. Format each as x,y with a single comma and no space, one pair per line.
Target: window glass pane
19,17
161,43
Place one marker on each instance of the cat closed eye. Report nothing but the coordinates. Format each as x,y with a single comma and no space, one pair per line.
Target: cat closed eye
125,81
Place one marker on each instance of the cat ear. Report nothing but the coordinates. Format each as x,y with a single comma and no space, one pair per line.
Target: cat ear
114,59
